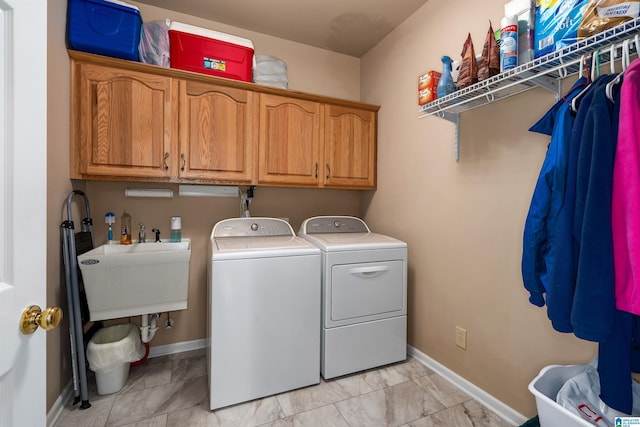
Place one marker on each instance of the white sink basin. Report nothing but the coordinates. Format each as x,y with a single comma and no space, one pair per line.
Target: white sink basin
141,278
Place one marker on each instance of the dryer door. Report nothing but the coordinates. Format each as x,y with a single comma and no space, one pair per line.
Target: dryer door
367,291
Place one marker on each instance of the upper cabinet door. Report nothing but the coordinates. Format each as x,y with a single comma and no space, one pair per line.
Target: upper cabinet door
350,147
217,126
289,141
124,121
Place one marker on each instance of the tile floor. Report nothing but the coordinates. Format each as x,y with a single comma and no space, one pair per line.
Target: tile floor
172,391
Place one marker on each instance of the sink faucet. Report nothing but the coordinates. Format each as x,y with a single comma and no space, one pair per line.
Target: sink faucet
142,234
155,230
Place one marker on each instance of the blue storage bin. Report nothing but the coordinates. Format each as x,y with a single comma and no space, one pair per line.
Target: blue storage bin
105,28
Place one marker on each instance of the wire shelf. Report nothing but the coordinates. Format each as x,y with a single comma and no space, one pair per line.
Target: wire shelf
546,72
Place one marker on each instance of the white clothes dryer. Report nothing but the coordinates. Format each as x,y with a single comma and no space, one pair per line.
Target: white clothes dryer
364,295
263,326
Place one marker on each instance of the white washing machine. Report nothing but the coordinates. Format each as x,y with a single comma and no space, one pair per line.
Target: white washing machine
364,295
263,310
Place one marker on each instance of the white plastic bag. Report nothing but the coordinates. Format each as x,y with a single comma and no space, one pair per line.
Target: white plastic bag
112,346
581,396
154,43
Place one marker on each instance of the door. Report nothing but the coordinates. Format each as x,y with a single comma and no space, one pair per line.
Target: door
126,123
289,139
350,147
217,126
23,162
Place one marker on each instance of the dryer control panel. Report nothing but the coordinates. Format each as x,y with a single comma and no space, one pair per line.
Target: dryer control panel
334,224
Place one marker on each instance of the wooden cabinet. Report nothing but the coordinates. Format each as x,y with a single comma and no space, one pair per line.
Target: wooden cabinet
349,147
289,141
138,122
217,126
122,123
306,143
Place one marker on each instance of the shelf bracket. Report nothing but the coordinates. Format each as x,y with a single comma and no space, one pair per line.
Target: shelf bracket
549,83
455,119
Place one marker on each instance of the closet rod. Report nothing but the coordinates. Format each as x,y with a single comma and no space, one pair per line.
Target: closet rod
604,53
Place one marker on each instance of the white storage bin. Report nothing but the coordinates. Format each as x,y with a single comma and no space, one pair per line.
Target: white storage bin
270,71
266,64
272,80
279,84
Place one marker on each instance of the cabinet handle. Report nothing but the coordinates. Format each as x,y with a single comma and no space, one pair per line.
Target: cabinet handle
184,162
316,170
328,171
164,161
369,271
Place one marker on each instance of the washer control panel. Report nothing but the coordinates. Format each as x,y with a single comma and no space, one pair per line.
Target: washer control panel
334,224
249,227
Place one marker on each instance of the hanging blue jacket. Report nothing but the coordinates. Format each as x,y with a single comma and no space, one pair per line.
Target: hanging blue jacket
562,281
593,310
540,238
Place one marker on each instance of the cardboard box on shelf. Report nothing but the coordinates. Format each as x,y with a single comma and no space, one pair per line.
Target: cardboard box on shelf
428,87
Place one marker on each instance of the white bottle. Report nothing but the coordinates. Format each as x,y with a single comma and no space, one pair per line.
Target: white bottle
508,43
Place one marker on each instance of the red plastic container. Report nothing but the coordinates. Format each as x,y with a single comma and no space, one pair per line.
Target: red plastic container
210,52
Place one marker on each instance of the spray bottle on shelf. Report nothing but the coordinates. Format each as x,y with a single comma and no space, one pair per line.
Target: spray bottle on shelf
125,229
109,218
446,84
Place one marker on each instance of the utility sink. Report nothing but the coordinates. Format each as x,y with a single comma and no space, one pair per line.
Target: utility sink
140,278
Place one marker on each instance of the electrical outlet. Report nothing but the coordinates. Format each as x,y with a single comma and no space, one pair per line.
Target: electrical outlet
461,337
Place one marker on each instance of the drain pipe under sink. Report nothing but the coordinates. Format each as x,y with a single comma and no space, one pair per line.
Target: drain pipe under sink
147,332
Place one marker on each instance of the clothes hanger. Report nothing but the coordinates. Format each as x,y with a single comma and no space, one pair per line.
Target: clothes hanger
581,68
612,58
591,76
624,63
595,65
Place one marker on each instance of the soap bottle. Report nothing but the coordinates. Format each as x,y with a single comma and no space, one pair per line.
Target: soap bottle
176,229
125,229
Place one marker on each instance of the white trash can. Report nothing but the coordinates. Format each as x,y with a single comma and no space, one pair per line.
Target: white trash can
109,353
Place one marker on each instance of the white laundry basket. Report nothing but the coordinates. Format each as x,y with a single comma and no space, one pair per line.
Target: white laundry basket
110,352
545,387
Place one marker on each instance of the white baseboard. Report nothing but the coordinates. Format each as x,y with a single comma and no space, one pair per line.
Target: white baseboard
62,400
180,347
501,409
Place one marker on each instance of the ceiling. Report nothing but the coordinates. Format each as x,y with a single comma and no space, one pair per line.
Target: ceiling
351,27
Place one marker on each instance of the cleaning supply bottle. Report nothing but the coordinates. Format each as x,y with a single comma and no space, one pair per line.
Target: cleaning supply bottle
508,43
125,229
446,84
